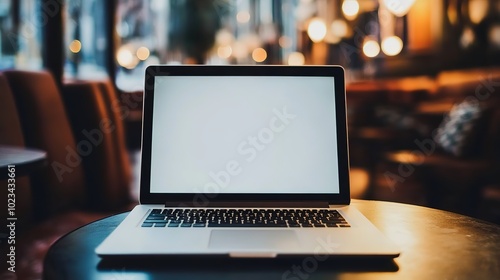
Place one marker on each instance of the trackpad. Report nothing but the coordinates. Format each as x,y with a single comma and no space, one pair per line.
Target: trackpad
266,240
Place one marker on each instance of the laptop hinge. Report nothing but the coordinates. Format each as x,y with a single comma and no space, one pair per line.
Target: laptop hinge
250,204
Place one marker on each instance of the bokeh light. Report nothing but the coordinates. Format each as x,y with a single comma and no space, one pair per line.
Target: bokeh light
142,53
339,28
285,42
392,45
350,8
478,9
75,46
398,8
296,58
259,55
467,38
224,52
494,35
126,58
316,30
243,17
224,37
371,48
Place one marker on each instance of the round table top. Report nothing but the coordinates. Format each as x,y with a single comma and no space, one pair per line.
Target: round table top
24,160
435,245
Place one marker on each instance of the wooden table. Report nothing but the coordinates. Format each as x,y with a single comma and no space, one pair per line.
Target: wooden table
435,245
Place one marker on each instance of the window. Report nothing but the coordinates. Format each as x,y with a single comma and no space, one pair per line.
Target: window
21,35
7,48
85,39
209,31
142,32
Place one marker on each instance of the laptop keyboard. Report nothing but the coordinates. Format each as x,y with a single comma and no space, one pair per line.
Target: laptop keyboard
200,218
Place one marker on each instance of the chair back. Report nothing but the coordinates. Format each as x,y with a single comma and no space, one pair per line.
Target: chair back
94,115
45,126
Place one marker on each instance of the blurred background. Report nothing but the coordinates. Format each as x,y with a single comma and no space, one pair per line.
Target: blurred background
423,82
370,38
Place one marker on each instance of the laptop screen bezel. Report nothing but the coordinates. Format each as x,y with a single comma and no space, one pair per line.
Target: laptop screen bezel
336,72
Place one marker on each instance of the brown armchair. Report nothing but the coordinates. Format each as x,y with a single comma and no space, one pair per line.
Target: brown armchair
97,124
45,126
76,186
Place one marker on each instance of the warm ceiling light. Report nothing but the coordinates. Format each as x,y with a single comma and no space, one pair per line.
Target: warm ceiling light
371,48
316,30
142,53
350,8
259,55
398,8
296,58
75,46
392,45
478,9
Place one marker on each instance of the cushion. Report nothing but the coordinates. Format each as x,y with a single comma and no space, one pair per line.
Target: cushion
458,132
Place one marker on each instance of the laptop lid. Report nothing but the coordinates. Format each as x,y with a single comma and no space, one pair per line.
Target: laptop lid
244,134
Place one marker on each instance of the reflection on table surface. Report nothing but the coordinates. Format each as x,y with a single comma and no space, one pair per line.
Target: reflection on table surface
435,245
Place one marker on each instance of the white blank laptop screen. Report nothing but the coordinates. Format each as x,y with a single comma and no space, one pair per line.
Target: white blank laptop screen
261,135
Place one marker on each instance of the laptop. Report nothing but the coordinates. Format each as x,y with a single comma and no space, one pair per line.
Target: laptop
245,161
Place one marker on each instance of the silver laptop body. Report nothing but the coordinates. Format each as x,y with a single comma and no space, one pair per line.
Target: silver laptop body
252,140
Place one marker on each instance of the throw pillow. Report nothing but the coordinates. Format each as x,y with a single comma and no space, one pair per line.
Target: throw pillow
457,132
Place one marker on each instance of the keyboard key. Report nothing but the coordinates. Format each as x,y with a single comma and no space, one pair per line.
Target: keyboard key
155,218
199,225
215,225
147,224
277,225
160,224
156,215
